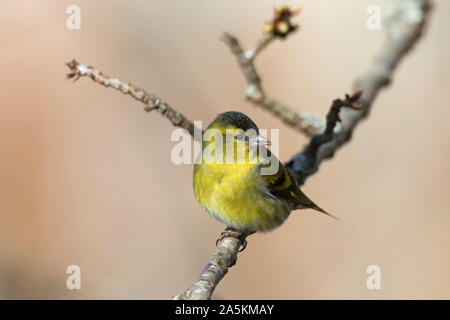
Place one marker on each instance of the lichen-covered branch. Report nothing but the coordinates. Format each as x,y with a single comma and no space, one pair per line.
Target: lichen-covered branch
404,21
151,101
223,258
280,27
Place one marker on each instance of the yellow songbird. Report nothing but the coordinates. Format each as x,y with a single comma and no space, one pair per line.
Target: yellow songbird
237,192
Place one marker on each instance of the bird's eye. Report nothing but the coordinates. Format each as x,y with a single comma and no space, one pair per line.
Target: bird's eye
240,136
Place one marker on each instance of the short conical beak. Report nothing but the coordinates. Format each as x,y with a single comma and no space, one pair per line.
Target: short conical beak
260,140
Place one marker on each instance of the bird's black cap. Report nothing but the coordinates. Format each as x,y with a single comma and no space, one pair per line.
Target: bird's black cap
237,119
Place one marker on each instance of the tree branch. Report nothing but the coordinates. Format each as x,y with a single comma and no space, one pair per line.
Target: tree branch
150,101
309,155
280,27
403,33
223,258
405,22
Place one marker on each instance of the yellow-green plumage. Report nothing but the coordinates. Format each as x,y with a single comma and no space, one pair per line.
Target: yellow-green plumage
237,194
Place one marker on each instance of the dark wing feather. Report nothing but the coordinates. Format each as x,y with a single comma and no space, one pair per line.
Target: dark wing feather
284,186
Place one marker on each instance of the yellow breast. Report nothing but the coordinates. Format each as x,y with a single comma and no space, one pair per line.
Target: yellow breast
236,194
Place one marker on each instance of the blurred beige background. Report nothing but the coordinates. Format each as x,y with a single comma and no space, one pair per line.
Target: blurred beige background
86,176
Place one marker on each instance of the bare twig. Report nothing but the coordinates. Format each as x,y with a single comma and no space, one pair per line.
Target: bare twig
150,101
405,21
280,27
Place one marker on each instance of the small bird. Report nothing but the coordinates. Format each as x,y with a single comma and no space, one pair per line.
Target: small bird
236,192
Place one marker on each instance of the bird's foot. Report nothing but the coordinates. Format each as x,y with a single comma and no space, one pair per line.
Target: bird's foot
229,233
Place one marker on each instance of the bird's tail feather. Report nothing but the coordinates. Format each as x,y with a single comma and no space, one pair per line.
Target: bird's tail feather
317,208
304,202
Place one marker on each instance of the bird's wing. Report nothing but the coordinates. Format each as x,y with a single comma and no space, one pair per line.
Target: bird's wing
283,185
280,184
